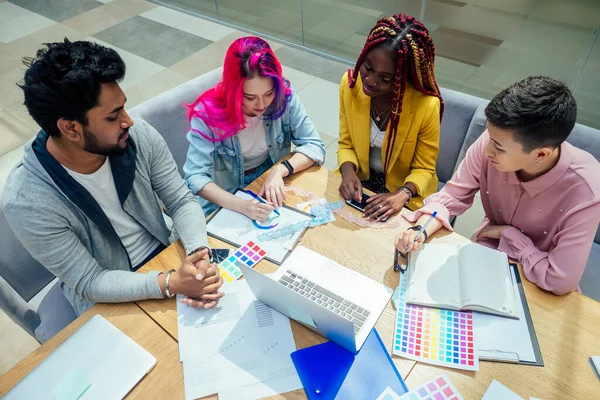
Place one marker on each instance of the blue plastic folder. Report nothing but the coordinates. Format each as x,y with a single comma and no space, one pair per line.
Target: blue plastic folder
328,371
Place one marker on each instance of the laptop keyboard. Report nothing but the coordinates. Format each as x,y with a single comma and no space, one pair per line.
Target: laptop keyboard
318,294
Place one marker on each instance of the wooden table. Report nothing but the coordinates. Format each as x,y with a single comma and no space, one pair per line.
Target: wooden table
567,327
366,250
568,331
164,381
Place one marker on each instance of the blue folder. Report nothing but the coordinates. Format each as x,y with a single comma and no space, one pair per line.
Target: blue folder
329,372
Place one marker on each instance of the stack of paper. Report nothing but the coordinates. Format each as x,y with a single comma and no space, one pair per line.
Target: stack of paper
240,349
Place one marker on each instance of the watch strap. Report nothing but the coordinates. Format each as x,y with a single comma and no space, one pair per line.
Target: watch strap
408,192
210,253
418,228
289,167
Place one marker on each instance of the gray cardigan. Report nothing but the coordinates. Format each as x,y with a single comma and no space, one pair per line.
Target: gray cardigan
63,227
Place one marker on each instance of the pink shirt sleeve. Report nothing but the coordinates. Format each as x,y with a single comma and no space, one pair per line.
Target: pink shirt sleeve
457,195
560,269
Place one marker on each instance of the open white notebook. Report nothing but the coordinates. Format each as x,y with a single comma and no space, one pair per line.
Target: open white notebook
463,277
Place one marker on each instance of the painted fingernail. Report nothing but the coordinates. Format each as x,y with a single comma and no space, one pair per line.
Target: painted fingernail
199,276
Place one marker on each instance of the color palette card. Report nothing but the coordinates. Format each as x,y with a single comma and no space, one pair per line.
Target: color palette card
249,254
439,388
434,336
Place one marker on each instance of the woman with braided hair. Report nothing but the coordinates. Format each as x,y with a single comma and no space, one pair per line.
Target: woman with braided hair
390,112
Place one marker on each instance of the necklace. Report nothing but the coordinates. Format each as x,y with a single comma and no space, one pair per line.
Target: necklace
376,113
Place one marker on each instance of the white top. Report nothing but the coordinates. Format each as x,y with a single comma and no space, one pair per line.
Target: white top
138,242
376,140
253,142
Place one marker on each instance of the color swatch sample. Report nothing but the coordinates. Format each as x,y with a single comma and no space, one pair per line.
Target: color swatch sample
249,254
439,388
434,336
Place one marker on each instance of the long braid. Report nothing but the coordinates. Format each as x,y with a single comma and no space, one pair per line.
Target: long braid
415,55
402,65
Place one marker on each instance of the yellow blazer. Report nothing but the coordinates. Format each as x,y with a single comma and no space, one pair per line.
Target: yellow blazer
416,148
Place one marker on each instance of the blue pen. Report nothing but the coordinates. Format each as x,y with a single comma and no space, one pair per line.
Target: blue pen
257,197
425,226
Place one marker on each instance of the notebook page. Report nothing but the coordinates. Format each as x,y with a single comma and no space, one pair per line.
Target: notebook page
433,277
485,277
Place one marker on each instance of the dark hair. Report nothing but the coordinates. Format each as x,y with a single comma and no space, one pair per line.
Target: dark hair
408,39
64,80
541,111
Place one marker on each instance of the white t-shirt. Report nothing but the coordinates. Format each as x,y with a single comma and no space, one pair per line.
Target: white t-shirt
376,140
253,142
138,242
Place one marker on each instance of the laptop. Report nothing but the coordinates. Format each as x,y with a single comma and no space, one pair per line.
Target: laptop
324,296
96,362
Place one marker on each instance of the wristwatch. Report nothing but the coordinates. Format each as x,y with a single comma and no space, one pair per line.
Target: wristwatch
288,166
418,228
408,192
210,253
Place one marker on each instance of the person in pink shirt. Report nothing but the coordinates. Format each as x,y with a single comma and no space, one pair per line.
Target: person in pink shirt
540,194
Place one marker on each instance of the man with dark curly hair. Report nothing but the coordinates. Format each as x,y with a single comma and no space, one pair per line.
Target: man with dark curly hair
83,200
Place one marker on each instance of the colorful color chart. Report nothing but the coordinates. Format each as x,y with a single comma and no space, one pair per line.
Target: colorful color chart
249,254
434,336
439,388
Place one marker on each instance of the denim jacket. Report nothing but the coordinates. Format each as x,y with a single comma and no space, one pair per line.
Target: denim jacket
223,163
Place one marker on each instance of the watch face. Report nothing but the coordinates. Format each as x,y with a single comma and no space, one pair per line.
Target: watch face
221,254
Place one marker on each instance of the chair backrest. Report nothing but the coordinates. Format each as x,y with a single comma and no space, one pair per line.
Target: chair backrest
22,272
457,122
21,278
588,139
167,114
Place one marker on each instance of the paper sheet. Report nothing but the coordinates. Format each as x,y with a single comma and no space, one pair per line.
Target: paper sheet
236,228
280,381
498,391
239,346
500,338
595,364
388,394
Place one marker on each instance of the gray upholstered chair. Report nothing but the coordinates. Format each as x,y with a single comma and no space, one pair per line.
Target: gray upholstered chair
463,118
29,293
588,139
167,115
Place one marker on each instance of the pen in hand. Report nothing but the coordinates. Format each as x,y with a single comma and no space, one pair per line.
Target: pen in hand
425,226
260,199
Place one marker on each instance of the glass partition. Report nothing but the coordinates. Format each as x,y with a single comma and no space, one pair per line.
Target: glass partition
482,45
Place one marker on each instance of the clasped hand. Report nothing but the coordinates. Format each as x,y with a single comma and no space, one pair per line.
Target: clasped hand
197,279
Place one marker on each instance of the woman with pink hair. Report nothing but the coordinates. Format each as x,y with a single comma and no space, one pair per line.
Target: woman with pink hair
242,127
